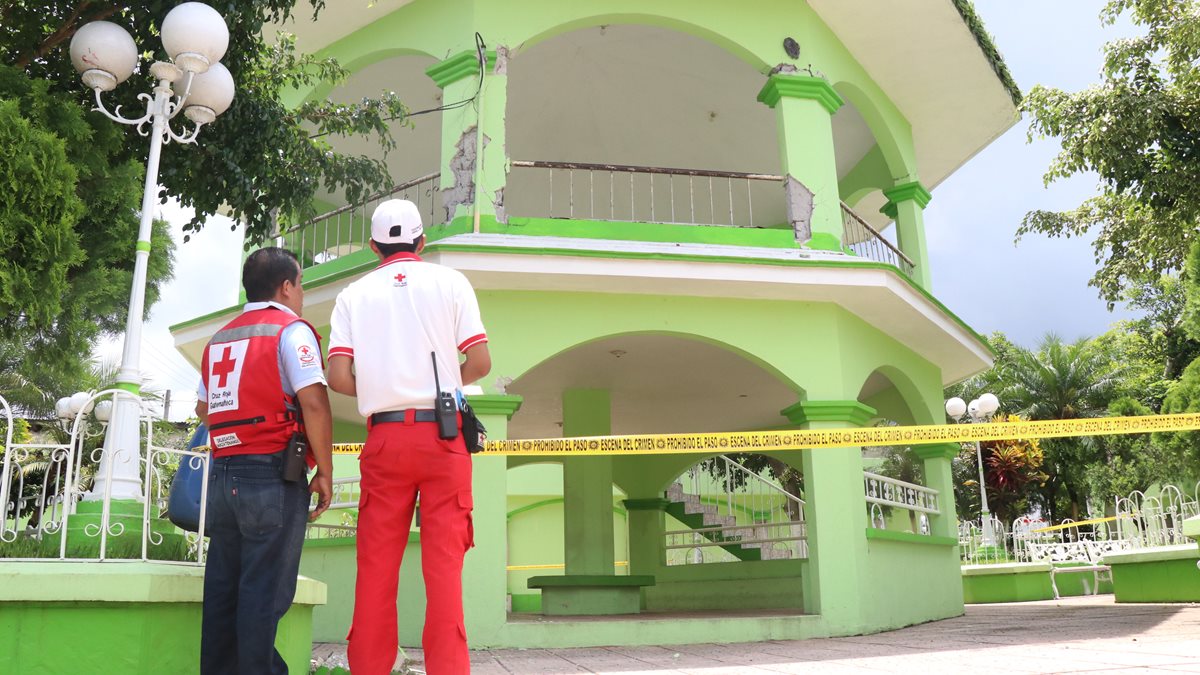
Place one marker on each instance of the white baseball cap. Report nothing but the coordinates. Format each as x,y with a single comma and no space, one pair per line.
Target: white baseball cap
396,221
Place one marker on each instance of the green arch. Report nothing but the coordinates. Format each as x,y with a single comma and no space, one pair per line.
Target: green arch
659,20
892,133
910,394
746,355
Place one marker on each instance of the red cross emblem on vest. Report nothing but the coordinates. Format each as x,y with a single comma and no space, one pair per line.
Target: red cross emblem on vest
224,367
400,277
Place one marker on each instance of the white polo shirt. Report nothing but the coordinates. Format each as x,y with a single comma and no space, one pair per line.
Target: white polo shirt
391,319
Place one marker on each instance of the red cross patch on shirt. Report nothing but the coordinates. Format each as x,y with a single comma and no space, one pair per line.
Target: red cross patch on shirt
401,279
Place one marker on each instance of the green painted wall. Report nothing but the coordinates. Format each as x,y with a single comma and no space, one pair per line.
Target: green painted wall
1157,581
1006,583
127,618
332,561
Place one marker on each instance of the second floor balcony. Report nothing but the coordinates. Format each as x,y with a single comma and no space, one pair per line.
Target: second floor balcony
607,202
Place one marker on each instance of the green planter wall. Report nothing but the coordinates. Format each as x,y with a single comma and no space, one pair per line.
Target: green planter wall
121,618
1166,574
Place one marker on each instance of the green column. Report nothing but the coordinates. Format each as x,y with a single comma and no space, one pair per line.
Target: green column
939,476
804,107
836,517
647,523
587,486
485,577
906,205
474,163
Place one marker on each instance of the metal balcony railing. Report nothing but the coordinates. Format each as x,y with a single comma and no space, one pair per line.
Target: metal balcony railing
348,229
867,242
603,192
647,194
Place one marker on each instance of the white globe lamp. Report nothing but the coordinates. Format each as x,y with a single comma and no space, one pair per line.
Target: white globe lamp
81,402
62,408
195,36
988,404
104,54
104,411
955,407
211,94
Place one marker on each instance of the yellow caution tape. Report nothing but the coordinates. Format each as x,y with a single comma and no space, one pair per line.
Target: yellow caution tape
1067,526
765,441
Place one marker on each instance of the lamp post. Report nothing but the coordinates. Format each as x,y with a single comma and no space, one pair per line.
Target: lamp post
978,410
195,38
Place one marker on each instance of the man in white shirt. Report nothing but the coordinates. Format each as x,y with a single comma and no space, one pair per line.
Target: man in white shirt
388,331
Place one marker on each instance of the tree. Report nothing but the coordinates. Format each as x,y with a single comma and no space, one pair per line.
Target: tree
1012,473
68,228
260,158
1139,131
1061,380
66,265
1182,449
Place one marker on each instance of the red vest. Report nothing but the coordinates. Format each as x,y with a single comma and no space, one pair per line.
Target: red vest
248,411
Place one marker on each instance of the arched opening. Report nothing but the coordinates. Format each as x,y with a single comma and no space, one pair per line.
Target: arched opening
894,475
735,508
641,96
658,383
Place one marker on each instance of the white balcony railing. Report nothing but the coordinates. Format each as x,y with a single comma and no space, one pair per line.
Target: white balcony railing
346,230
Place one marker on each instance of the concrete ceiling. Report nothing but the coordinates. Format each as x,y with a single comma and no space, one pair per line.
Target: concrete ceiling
932,67
658,384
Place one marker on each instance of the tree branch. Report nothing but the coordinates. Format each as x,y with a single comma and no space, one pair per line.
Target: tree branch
65,32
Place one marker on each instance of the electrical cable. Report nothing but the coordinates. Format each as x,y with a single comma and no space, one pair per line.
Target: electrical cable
481,57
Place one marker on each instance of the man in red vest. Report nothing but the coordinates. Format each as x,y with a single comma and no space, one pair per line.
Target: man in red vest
257,373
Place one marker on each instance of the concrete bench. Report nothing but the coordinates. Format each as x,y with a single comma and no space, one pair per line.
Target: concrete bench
591,594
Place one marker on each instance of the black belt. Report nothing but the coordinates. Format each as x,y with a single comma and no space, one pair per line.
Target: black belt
401,416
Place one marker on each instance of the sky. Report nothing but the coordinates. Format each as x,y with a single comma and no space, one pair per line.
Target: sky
1039,285
1024,290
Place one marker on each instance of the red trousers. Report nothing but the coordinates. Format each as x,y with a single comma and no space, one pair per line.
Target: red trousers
399,462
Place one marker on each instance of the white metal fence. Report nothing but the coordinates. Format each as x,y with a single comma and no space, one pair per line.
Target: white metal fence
1140,521
41,519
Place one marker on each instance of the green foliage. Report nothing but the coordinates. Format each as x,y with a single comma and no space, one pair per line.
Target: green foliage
1184,447
967,10
68,228
260,159
1139,131
1012,472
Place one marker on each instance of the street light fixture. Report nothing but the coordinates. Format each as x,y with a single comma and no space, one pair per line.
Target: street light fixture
977,411
195,38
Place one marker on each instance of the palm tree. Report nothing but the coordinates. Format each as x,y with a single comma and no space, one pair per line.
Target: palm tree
1061,380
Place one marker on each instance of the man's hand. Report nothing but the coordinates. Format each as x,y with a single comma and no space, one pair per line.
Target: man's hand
322,485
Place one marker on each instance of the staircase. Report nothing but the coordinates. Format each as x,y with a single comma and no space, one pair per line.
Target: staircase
687,509
777,536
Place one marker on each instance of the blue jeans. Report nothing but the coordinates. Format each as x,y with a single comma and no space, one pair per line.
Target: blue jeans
256,521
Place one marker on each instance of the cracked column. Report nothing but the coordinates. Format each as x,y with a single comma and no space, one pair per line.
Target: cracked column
906,205
804,107
474,161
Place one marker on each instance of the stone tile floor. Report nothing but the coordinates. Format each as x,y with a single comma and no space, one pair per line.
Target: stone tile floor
1073,635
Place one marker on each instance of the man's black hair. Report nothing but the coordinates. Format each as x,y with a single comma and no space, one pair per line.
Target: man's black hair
389,250
265,271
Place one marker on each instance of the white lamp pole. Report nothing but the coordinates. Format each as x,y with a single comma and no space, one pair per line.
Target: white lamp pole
195,37
978,410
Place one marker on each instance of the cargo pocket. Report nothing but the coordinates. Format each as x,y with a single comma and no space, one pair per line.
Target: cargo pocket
466,503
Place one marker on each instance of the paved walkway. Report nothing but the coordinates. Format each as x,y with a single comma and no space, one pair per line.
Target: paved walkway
1073,635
